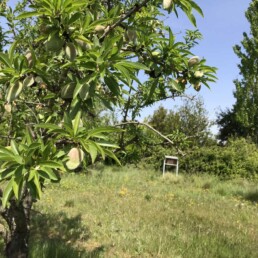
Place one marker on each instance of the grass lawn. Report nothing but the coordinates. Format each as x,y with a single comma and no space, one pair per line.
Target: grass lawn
130,212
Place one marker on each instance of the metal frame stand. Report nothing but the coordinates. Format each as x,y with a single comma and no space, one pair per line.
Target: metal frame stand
170,161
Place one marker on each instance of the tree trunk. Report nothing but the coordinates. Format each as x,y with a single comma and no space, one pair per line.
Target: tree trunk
17,216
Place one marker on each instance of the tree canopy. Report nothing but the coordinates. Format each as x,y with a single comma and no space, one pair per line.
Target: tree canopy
61,60
190,120
242,119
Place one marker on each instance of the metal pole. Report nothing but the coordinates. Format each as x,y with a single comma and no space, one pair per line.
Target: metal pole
164,165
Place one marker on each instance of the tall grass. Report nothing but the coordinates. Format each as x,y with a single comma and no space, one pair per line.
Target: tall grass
127,212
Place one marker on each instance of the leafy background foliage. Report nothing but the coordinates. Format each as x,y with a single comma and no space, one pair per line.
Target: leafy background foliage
236,160
242,119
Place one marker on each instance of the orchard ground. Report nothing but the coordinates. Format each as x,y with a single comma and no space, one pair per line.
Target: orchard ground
133,212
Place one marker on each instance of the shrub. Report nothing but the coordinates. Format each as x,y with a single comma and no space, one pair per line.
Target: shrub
238,158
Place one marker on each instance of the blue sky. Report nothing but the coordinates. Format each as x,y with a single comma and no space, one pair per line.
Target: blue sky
222,27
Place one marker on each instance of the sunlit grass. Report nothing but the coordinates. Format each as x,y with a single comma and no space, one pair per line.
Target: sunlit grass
131,212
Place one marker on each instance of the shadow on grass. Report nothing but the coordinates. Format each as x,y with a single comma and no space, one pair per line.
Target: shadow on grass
252,196
59,236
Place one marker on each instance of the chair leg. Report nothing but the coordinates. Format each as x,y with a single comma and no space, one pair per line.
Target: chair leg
164,167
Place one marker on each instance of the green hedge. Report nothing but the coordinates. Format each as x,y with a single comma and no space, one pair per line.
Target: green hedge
238,158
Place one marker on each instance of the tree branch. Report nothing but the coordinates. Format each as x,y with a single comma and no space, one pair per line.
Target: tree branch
167,97
134,9
153,129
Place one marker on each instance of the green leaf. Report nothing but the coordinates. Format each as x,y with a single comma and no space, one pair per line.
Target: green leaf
68,120
93,150
101,150
4,157
46,151
57,4
14,91
127,75
76,123
14,147
18,179
50,96
77,89
28,81
60,154
112,155
6,173
43,174
171,38
112,85
176,86
37,184
206,84
191,18
74,18
48,126
48,173
7,194
31,58
75,6
34,145
50,164
106,103
196,7
70,51
47,4
134,65
48,8
152,89
7,155
6,151
84,91
67,3
5,60
28,15
84,39
31,174
28,135
12,49
68,131
75,107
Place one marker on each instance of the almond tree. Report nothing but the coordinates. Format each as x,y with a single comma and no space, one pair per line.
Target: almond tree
64,58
